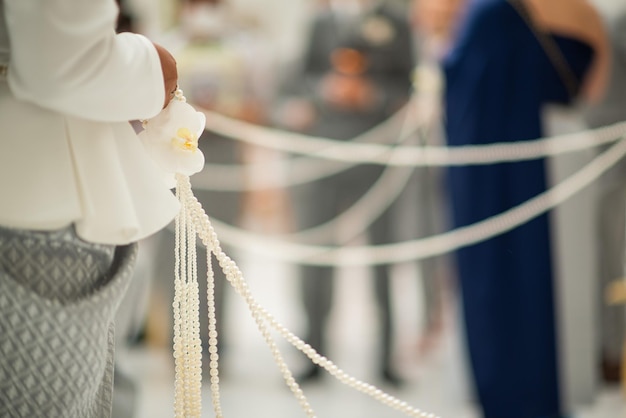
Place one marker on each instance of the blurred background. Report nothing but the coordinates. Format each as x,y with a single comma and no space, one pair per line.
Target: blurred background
272,74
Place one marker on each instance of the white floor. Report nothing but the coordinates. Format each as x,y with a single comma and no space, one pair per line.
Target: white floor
252,387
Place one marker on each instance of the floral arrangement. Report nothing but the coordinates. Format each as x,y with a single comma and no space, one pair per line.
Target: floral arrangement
171,139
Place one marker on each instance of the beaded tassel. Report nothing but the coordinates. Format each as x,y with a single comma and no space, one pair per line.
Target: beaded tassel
193,220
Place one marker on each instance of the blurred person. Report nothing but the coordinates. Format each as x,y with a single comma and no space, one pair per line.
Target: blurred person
79,193
226,68
434,24
611,205
355,74
509,60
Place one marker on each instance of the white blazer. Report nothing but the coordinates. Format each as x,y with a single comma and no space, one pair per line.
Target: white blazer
67,151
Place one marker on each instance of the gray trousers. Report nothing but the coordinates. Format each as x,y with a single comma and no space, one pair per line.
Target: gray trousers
58,299
317,203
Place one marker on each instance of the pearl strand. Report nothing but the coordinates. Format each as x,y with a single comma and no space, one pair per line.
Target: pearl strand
213,353
234,276
179,393
187,346
195,350
261,316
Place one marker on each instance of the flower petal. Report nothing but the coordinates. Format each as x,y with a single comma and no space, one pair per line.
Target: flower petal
171,138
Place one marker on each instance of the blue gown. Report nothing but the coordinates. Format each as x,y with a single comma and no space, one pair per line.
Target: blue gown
498,77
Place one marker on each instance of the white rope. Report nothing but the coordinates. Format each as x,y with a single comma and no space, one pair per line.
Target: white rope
358,217
378,198
350,151
304,169
283,250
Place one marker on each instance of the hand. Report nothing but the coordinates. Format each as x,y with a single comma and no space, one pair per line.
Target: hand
348,92
170,72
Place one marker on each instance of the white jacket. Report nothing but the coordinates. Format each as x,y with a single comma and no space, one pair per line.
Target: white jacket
67,151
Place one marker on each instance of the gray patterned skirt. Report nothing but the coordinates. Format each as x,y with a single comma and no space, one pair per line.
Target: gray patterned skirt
58,297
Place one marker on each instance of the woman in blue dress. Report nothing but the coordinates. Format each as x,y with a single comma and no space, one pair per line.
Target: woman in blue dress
498,78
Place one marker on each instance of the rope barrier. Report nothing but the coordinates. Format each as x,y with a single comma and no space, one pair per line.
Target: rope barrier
285,251
355,152
308,168
291,248
378,198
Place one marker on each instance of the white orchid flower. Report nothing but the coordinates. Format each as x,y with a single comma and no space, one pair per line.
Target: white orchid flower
171,139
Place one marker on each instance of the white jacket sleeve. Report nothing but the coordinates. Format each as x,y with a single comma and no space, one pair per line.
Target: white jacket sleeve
66,56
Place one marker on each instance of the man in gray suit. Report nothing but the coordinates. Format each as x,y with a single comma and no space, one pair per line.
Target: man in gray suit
355,74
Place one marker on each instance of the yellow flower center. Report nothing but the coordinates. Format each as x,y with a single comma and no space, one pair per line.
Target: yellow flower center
185,140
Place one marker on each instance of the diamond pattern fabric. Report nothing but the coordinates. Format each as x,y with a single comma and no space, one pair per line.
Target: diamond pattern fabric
58,297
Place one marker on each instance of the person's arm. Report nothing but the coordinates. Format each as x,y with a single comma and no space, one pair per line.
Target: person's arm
66,56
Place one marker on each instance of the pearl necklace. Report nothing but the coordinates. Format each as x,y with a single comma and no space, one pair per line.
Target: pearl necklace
193,222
